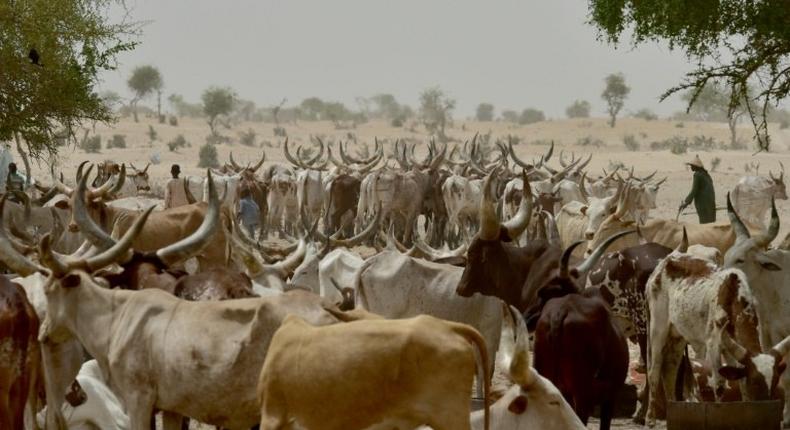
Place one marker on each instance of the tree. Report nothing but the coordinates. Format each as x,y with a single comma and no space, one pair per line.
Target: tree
531,116
217,102
485,112
713,104
312,108
736,42
74,42
145,80
615,93
436,110
578,109
510,116
386,106
183,108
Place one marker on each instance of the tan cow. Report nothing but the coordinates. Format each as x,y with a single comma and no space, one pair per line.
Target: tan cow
375,373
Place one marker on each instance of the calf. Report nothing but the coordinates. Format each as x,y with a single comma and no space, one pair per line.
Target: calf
19,355
579,346
402,373
691,302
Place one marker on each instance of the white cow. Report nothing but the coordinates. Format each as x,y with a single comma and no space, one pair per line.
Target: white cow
752,196
310,192
317,272
461,196
100,408
282,202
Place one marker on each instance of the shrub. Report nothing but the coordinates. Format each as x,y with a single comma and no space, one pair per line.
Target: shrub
176,143
615,166
590,141
280,132
679,146
216,139
152,134
208,156
162,119
680,125
91,145
578,109
714,164
173,120
646,114
247,138
397,122
531,116
117,141
630,143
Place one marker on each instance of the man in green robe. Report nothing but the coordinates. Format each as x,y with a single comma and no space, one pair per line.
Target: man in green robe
702,193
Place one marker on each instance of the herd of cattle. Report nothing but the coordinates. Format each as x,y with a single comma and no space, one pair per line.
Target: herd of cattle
477,253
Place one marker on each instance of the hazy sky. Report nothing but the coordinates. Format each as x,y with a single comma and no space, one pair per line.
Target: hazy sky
514,54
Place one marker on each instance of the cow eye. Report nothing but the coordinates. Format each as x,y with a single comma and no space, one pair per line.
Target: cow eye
739,261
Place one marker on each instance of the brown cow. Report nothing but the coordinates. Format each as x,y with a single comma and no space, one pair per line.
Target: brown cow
343,199
580,348
19,355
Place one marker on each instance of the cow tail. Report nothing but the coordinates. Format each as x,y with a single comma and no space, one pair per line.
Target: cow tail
474,337
554,338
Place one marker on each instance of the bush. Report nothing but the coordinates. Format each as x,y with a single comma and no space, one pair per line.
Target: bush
118,141
178,142
208,156
397,122
91,145
216,139
680,125
162,119
679,146
590,141
247,138
280,132
646,114
173,120
531,116
714,164
578,109
152,134
630,143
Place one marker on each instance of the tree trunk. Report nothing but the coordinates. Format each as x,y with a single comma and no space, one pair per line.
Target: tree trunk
612,120
134,111
158,105
25,160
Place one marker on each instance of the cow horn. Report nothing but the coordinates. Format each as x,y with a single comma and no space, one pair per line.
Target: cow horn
116,188
566,255
317,156
58,183
683,246
80,168
547,157
116,252
352,241
736,350
583,188
516,225
584,164
188,193
516,159
562,159
87,226
233,163
260,163
765,239
553,232
741,232
783,347
489,224
658,184
292,261
520,369
557,177
437,161
191,245
246,245
596,255
649,177
290,157
49,259
15,261
348,158
622,200
334,160
146,168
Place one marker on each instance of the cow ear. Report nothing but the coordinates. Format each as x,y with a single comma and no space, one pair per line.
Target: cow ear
767,264
70,281
63,204
612,209
780,368
583,210
732,373
518,405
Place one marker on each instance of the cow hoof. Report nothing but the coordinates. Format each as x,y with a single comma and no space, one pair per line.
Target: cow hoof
638,420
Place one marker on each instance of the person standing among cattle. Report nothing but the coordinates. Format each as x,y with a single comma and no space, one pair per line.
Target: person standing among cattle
249,212
14,182
702,193
174,191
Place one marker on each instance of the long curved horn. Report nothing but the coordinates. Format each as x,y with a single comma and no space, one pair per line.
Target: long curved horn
188,193
317,156
15,261
623,193
146,168
683,246
116,188
335,161
557,177
566,255
658,184
117,251
596,255
290,263
584,164
368,167
583,188
80,168
290,157
352,241
516,225
346,157
437,161
194,243
764,240
233,163
489,224
547,157
648,177
520,369
260,163
98,237
741,232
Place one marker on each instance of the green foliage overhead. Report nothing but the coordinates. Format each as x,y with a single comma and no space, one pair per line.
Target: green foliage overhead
75,42
737,43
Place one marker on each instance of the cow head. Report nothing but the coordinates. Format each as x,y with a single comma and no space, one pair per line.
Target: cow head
140,178
779,188
533,402
487,267
762,267
598,209
761,371
90,204
615,223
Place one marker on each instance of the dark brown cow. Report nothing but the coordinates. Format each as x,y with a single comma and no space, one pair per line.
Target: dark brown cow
343,198
19,354
579,347
104,171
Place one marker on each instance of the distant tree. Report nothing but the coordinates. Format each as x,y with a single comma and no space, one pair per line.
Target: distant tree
531,116
111,99
386,106
578,109
615,93
510,116
485,112
645,114
436,110
312,108
245,109
736,42
713,104
183,108
217,102
145,80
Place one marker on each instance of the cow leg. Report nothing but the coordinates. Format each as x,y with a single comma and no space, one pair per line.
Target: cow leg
784,382
141,412
61,363
659,334
607,410
641,406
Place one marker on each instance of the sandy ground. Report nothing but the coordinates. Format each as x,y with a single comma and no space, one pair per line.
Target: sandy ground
565,134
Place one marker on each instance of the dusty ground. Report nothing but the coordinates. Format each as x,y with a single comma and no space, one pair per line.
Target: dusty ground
565,134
